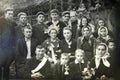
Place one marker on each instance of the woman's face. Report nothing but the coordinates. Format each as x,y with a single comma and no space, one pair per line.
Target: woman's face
67,34
79,56
101,23
100,50
103,32
84,21
86,31
53,34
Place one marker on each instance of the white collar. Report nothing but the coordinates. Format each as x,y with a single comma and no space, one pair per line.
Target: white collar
55,22
27,39
104,59
76,61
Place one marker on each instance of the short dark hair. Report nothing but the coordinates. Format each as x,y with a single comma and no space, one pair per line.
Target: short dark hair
65,54
102,44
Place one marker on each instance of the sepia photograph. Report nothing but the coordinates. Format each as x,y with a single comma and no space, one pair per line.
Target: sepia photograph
59,39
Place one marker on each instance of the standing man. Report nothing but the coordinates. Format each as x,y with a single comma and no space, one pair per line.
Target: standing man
55,21
22,22
25,50
40,28
6,42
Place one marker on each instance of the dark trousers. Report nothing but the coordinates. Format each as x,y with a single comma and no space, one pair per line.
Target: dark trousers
4,73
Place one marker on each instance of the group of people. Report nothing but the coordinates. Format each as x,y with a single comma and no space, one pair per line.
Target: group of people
66,47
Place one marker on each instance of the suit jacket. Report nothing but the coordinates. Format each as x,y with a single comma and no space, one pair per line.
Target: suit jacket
39,32
7,36
21,53
76,70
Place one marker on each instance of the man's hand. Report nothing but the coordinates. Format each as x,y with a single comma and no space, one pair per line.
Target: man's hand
36,75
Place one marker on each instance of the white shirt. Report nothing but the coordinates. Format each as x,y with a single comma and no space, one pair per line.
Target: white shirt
104,59
76,61
28,44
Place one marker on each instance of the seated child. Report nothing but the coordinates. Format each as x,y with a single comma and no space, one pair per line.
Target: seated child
79,66
61,69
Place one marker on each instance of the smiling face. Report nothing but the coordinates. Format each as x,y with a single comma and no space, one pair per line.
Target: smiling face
53,33
100,50
40,53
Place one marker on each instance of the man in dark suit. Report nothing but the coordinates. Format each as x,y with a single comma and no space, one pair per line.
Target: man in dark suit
25,50
6,42
40,28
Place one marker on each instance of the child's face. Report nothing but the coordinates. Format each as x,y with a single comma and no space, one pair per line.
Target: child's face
103,32
53,34
79,56
27,33
86,31
54,16
40,53
111,45
40,18
64,59
67,34
100,50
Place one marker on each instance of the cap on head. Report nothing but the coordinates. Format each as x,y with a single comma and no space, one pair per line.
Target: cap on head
65,12
54,11
40,13
9,9
21,13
